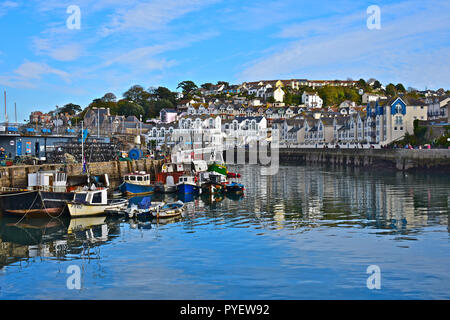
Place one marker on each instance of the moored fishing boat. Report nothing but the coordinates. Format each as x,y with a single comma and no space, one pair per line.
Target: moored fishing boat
34,203
219,168
145,206
213,182
187,184
235,187
93,202
137,183
169,210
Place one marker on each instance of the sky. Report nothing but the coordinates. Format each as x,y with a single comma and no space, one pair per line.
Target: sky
45,61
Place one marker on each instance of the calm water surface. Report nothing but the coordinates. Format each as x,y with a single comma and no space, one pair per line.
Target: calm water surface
308,232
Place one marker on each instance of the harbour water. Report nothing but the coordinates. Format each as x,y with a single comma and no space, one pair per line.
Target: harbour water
308,232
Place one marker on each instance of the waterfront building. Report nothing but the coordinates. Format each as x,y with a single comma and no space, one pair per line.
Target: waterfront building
395,117
437,108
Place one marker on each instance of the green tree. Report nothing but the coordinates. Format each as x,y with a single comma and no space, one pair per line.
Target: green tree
362,84
153,108
162,93
137,94
391,90
377,84
109,97
70,108
129,108
400,88
187,86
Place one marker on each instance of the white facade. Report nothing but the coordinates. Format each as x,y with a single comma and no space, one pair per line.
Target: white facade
311,100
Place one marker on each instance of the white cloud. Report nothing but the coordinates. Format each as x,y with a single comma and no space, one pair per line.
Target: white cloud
63,52
5,6
152,15
28,73
411,47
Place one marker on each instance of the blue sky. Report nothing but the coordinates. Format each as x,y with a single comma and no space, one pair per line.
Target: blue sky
163,42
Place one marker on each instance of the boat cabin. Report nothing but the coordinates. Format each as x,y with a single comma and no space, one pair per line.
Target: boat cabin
48,180
187,180
94,197
213,177
139,178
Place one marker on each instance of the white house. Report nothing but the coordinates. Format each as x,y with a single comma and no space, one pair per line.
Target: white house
311,100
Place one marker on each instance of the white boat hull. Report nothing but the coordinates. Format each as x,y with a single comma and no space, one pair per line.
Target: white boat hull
81,210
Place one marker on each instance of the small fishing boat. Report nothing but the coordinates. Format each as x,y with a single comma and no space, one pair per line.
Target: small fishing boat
146,206
169,210
213,183
34,203
93,202
187,184
235,187
219,168
137,183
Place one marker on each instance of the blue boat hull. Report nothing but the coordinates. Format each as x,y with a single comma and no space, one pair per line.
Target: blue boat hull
134,189
187,188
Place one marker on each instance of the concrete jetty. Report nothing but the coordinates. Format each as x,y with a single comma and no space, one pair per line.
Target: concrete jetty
399,159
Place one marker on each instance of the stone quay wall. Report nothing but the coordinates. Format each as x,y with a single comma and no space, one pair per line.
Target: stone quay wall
400,159
17,176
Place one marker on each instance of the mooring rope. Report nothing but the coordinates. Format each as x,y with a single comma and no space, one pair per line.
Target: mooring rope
28,209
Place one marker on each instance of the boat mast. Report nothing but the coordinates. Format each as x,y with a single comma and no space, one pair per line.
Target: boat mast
6,114
82,145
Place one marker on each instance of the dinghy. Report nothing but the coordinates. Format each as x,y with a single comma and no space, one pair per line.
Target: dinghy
169,210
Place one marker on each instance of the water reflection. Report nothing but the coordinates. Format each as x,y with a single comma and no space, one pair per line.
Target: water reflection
296,201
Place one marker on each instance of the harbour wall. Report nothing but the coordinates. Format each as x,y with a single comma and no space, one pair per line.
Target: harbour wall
17,176
399,159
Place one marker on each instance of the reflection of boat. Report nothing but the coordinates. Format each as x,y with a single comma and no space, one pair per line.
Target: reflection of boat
89,228
186,197
79,224
169,210
210,198
137,183
31,231
235,196
187,184
92,202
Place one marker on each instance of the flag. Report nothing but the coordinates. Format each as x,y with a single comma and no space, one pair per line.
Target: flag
84,165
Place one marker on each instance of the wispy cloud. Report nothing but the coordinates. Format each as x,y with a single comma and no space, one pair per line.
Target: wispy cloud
65,52
5,6
152,15
29,73
343,46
